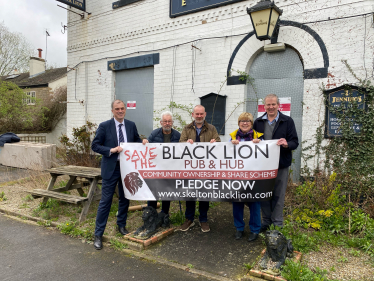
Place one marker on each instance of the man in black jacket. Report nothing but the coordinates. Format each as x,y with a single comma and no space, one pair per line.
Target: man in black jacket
161,135
276,125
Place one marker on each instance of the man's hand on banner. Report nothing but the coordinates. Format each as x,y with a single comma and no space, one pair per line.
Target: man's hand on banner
117,149
212,140
282,142
145,141
190,141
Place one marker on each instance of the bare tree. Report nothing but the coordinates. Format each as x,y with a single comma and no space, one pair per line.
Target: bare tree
15,51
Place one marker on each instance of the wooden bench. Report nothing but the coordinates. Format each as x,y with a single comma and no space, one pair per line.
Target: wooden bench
92,175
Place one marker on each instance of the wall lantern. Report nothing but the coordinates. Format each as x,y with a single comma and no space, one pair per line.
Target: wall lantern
265,16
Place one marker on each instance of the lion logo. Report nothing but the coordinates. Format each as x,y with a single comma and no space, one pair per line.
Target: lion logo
133,182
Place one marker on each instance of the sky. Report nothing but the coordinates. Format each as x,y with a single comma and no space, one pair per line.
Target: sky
32,18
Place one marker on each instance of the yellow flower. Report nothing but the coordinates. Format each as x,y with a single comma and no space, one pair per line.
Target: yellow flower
328,213
67,224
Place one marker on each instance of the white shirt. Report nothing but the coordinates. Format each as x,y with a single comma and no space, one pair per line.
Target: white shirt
123,132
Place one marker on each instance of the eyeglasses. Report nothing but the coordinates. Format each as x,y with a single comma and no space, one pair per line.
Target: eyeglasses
166,122
245,121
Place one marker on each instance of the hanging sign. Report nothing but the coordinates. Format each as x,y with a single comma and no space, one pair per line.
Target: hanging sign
336,98
78,4
131,105
200,172
183,7
284,107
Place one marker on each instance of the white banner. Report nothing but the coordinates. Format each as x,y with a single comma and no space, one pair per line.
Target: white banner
199,171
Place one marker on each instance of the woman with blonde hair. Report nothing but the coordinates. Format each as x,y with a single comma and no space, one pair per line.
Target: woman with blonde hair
246,133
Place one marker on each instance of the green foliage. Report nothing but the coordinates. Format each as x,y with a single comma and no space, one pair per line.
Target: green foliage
15,115
177,218
70,228
49,210
28,198
297,271
2,196
179,113
118,245
76,150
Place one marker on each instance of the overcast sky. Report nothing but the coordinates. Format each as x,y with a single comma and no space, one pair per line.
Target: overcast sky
32,18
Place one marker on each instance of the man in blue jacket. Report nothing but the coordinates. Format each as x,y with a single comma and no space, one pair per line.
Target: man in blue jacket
107,141
161,135
275,125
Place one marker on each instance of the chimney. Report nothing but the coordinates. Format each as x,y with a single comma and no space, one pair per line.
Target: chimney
37,65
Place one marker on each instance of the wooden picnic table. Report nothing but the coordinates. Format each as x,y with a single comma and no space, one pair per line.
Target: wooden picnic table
92,175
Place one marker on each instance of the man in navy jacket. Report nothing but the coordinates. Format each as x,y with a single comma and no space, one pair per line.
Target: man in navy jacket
107,141
276,125
161,135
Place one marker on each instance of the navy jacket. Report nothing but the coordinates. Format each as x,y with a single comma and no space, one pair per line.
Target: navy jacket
158,137
8,138
106,138
284,128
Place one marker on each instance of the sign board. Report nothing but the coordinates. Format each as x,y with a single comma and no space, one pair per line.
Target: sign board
183,7
284,107
218,171
78,4
131,105
336,98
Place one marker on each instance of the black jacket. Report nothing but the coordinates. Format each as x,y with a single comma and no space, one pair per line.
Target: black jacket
284,128
158,137
8,138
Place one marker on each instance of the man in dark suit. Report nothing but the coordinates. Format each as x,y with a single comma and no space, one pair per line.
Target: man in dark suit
107,141
277,126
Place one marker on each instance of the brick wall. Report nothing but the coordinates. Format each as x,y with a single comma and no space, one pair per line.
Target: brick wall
145,27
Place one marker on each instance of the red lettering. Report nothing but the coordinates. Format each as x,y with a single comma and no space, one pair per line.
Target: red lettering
143,163
150,164
127,154
145,154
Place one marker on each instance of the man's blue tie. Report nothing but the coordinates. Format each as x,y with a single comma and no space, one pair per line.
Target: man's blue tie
120,134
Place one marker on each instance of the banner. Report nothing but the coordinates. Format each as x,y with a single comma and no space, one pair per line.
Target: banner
78,4
200,172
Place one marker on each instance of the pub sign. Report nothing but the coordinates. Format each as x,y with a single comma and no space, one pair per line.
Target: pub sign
78,4
183,7
337,97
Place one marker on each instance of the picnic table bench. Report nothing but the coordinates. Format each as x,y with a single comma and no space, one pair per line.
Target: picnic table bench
92,175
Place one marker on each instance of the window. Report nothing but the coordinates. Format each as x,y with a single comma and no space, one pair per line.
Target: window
30,100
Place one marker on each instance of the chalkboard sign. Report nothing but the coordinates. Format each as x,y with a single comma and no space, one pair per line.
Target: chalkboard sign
336,98
217,102
78,4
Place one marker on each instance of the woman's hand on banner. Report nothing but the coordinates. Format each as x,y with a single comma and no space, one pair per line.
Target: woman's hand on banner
235,142
256,140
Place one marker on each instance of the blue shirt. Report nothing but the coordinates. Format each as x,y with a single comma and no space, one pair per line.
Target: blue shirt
275,120
198,130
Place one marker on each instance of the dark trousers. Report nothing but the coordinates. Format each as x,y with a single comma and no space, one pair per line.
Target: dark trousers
203,210
254,218
165,206
272,210
107,190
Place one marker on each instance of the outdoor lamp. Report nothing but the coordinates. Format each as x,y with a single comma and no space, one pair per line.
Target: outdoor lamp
264,15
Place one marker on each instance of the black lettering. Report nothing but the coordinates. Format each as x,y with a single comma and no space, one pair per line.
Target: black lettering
194,152
250,149
175,157
263,153
209,151
224,153
186,152
166,150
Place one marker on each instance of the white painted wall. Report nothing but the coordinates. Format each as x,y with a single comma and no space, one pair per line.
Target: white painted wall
145,27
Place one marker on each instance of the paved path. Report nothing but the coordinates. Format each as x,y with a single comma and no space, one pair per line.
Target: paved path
11,174
29,252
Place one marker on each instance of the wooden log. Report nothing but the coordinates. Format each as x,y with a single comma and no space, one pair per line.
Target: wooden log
140,207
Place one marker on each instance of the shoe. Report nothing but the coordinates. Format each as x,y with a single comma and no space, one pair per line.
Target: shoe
187,225
252,236
204,226
264,228
239,234
98,242
122,230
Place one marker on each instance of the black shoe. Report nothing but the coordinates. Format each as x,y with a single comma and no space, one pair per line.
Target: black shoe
123,230
264,228
252,236
239,234
98,242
